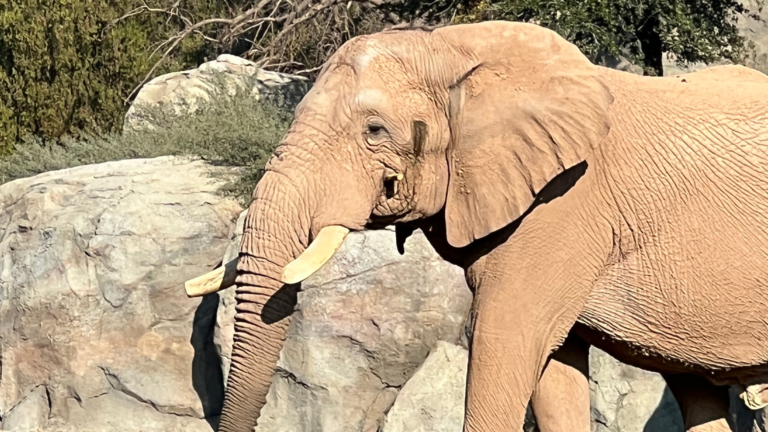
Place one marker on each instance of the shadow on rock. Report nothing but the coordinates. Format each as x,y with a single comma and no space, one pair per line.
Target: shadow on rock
207,378
666,417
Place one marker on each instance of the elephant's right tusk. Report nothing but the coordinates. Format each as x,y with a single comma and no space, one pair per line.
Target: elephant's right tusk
213,281
754,397
327,242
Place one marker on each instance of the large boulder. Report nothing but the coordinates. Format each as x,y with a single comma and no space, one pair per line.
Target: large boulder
757,33
96,333
180,93
433,399
364,324
627,399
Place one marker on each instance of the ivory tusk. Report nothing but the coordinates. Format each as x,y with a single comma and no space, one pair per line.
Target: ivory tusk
213,281
327,242
753,397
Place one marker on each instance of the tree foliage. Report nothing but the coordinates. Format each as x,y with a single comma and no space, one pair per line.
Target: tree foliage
640,30
71,65
62,72
298,36
289,36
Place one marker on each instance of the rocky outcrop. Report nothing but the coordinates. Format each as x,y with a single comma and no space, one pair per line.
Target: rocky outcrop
364,324
627,399
182,92
756,32
96,333
433,399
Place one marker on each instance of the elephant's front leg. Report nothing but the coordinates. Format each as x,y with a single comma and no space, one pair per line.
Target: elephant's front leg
529,294
560,401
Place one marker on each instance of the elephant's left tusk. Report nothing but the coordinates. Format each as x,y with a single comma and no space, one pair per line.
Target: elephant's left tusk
213,281
327,242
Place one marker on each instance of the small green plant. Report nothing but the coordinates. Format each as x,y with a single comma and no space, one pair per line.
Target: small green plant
235,130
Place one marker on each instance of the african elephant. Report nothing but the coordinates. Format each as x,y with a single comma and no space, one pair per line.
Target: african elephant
626,211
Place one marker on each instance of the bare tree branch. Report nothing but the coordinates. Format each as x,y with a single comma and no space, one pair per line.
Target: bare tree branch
275,29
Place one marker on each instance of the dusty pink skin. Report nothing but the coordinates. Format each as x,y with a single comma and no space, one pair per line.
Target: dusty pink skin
628,211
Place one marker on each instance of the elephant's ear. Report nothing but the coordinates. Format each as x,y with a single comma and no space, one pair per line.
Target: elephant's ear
514,128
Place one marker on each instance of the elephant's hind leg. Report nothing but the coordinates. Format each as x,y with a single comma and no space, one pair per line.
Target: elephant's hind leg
704,405
561,400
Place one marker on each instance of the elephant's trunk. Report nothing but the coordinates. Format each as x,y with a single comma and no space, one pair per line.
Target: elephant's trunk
276,231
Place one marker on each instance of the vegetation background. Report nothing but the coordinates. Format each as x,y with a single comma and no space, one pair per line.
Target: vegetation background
69,68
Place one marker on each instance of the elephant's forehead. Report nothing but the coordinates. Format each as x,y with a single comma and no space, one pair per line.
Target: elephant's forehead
370,98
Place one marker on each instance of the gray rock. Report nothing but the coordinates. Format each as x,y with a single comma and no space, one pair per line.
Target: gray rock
364,323
624,398
757,33
183,92
31,413
433,399
96,332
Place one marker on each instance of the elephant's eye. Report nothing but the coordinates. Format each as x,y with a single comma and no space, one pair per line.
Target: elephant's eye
374,132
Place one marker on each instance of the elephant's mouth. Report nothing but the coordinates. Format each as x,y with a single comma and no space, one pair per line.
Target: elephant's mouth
394,202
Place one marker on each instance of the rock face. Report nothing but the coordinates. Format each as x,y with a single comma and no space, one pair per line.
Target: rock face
627,399
364,324
433,399
96,333
757,33
182,92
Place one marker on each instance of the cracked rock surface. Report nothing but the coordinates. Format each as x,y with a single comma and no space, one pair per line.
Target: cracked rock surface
433,399
364,324
96,332
624,398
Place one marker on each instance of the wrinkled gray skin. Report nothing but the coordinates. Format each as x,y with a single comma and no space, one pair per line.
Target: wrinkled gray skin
628,211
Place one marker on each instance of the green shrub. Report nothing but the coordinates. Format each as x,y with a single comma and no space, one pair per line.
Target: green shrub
233,130
64,69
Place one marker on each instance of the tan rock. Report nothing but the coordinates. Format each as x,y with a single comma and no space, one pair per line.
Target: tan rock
365,322
183,92
433,399
92,308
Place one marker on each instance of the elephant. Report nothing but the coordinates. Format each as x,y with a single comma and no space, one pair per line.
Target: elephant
587,206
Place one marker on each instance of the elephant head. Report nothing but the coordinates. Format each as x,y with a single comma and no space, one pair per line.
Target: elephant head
469,121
